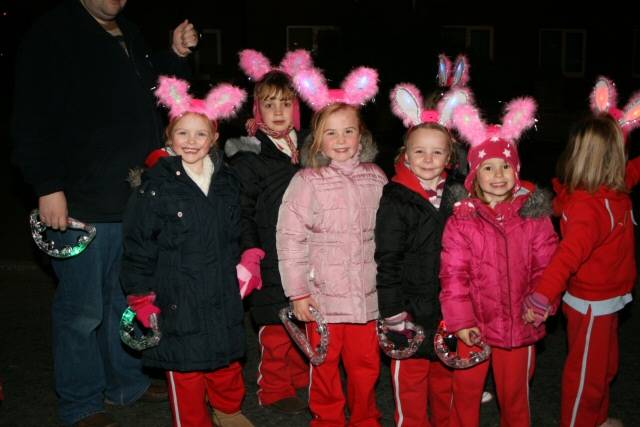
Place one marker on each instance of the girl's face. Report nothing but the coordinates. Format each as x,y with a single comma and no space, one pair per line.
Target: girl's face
341,135
277,112
192,138
496,179
428,154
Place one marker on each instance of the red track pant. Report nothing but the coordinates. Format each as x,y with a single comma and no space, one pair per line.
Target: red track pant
512,371
357,346
188,392
591,364
416,382
282,368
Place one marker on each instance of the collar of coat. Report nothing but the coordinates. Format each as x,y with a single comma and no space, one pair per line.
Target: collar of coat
368,153
167,165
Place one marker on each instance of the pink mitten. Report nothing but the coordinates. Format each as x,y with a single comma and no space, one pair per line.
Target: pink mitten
248,270
144,307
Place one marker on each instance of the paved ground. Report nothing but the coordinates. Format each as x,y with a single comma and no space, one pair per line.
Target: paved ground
26,367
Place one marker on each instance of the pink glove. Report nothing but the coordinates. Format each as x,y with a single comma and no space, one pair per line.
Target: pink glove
248,271
144,307
540,306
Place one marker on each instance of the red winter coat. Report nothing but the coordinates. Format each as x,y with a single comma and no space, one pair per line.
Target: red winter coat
490,260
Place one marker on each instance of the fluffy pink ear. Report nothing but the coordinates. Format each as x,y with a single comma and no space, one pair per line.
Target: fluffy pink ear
360,85
312,87
631,114
406,103
173,93
444,66
520,115
296,61
224,100
460,75
604,96
254,64
466,119
451,101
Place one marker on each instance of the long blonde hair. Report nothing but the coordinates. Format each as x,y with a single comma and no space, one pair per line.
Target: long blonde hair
595,156
318,123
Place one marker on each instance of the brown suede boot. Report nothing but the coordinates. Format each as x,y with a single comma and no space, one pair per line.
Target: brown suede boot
237,419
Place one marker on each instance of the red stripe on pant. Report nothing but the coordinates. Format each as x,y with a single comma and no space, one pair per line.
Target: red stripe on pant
357,346
417,382
591,364
512,371
187,391
282,368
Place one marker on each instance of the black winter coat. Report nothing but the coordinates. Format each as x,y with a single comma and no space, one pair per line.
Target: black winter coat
265,173
184,246
408,244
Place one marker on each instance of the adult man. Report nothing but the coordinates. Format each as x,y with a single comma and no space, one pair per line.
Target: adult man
84,115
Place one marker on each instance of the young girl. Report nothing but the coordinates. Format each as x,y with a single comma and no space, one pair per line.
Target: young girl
594,263
495,247
325,246
265,162
409,225
181,233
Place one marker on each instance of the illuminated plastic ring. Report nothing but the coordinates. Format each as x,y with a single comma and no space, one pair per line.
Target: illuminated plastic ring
127,332
389,348
452,358
316,356
38,228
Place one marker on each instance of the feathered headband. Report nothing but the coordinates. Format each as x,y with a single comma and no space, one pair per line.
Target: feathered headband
359,87
408,105
221,102
453,77
604,99
255,65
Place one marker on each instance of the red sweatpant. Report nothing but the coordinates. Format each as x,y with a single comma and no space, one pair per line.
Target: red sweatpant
282,368
357,346
591,364
512,371
416,382
188,391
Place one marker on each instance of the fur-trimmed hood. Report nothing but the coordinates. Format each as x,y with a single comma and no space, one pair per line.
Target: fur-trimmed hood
368,152
249,144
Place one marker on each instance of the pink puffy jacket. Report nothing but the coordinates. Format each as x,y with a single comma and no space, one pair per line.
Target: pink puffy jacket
490,260
325,239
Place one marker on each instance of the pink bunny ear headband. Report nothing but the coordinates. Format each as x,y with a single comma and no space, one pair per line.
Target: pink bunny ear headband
221,102
453,77
604,99
494,141
255,65
360,86
408,105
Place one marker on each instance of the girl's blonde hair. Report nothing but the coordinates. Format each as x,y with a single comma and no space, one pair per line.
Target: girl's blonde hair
429,126
595,156
318,123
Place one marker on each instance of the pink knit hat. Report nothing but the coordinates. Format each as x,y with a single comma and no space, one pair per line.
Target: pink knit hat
494,141
604,99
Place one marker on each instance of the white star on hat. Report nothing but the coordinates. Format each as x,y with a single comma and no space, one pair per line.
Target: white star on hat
495,139
481,154
507,152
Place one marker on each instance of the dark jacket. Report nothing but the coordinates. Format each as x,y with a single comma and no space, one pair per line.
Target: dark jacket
408,244
265,173
84,110
184,246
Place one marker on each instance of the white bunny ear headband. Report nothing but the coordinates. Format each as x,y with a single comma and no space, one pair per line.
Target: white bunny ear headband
223,101
408,105
456,76
519,116
604,99
256,65
360,86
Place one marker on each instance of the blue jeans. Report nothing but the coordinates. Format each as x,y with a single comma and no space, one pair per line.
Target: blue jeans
91,363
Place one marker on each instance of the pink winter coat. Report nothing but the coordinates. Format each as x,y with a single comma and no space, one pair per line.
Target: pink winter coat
325,239
490,260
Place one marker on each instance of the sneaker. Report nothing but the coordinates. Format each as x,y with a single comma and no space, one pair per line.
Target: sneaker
612,422
486,397
288,405
237,419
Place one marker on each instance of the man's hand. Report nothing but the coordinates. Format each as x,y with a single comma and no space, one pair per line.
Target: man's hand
185,37
53,210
